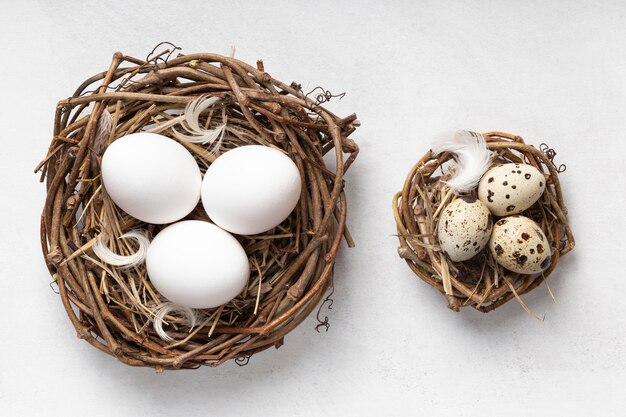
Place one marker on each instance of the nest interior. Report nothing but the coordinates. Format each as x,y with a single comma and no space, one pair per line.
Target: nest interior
479,282
291,265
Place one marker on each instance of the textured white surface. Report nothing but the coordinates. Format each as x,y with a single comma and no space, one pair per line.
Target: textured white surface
549,71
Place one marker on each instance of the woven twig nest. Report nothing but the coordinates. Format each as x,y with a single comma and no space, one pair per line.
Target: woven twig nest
479,282
291,265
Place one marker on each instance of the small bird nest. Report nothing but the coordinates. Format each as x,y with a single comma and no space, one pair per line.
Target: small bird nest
114,309
479,282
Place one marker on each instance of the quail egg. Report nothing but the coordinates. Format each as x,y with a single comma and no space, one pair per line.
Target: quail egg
519,245
511,188
464,228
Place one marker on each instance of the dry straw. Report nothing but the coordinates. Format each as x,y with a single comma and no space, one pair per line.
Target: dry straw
114,308
480,282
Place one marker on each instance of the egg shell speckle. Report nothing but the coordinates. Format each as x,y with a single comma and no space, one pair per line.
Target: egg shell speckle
519,245
464,228
511,188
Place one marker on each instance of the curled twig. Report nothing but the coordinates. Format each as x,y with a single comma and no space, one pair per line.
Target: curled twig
551,153
243,360
55,283
325,322
154,57
324,96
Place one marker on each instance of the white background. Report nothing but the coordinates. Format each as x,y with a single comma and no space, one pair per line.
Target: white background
549,71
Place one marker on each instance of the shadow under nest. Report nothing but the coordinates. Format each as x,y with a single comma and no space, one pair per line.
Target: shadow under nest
291,265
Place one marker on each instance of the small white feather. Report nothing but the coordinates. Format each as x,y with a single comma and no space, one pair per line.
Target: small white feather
190,122
472,157
167,308
107,256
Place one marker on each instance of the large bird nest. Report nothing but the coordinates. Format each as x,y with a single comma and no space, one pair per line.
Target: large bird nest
291,266
479,282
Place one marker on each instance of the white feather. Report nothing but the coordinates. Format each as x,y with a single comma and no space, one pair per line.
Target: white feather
167,308
106,255
189,121
472,157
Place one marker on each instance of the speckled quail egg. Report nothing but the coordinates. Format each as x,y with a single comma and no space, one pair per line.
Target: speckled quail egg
511,188
519,245
464,228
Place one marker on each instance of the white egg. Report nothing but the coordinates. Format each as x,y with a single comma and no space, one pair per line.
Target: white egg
511,188
464,228
151,177
518,244
251,189
196,264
